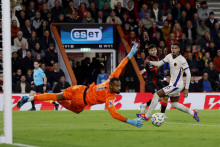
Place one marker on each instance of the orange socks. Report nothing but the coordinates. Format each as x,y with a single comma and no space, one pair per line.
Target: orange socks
46,97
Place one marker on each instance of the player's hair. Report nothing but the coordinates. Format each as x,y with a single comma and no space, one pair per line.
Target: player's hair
176,43
112,80
152,46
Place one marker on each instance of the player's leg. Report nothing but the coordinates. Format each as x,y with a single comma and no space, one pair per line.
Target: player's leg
32,93
175,104
164,104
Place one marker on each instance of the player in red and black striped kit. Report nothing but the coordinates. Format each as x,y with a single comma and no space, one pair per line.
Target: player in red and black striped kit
153,79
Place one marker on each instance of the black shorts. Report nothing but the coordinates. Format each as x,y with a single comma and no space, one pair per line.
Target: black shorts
151,87
38,89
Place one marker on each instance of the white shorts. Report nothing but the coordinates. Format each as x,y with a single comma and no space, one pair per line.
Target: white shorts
172,91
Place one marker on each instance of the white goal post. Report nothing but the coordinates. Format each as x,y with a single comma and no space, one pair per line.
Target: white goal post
7,80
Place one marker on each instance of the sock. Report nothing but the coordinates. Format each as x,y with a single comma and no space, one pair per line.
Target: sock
148,103
163,107
182,108
31,98
46,97
153,105
32,103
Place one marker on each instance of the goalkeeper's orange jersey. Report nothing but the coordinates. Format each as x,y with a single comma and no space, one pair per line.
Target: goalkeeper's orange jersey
98,94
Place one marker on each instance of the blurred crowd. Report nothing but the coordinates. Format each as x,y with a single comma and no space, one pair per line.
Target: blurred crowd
159,22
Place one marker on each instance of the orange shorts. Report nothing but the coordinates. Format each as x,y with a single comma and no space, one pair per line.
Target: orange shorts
75,94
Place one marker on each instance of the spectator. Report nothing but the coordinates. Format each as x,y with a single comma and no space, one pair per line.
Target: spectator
22,17
195,21
162,50
156,40
37,50
115,2
113,19
106,10
27,62
212,50
49,18
193,87
37,20
187,2
56,10
201,30
61,18
51,55
165,30
73,18
215,30
131,39
48,74
204,84
210,22
23,86
22,51
82,11
203,11
133,15
143,11
44,11
119,10
16,77
33,40
156,14
188,50
204,41
184,42
61,85
94,11
68,10
88,18
189,11
77,3
170,21
18,40
177,31
176,12
213,76
27,29
206,59
125,20
31,10
14,29
217,40
141,60
190,31
56,73
145,41
147,21
102,77
216,61
46,40
193,65
100,18
139,29
153,30
52,3
16,63
170,41
29,76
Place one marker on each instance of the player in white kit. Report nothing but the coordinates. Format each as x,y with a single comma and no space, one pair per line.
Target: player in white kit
178,66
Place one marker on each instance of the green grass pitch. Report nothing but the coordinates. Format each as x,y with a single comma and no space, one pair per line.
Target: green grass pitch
99,129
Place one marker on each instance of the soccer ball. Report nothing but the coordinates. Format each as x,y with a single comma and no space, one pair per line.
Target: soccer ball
157,119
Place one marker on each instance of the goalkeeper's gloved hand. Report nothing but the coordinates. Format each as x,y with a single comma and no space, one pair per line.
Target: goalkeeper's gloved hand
133,50
136,122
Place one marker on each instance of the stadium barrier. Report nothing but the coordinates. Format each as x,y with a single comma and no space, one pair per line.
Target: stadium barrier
129,101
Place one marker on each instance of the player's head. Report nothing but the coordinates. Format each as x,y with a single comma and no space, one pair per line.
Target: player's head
115,85
152,50
175,49
36,64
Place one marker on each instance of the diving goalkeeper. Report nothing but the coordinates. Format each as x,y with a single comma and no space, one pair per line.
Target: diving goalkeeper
75,98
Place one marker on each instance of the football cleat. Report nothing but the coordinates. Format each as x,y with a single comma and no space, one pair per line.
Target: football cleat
23,100
142,116
196,116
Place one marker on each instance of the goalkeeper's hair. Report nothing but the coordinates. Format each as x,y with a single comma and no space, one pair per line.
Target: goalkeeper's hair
112,80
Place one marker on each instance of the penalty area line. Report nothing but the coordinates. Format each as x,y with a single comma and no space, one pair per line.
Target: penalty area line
193,124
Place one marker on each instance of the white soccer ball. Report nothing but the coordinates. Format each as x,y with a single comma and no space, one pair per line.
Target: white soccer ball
157,119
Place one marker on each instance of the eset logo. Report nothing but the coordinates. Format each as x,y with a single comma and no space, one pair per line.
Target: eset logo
89,34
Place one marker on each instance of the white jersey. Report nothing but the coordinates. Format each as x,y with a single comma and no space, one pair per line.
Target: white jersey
177,66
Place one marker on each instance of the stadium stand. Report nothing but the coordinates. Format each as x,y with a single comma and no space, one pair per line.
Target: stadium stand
194,24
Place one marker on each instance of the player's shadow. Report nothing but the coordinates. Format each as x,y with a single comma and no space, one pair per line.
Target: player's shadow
153,130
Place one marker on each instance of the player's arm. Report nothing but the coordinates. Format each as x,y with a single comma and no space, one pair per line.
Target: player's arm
115,115
118,70
186,69
153,71
157,63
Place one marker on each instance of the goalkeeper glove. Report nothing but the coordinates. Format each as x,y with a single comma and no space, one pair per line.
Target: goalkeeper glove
135,122
133,50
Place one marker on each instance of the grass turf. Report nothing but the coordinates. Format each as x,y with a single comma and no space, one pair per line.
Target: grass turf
98,129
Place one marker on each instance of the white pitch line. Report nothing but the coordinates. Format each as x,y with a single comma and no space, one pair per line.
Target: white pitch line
23,145
193,124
